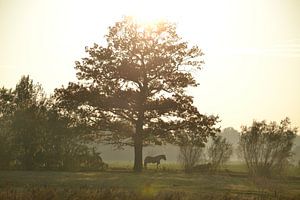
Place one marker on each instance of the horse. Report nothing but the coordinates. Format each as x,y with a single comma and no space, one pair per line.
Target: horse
154,159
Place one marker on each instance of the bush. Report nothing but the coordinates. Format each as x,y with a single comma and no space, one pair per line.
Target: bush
189,156
219,152
266,148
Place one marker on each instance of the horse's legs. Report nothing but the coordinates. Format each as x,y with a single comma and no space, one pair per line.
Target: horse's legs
157,163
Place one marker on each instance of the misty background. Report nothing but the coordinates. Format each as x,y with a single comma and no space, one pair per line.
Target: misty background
112,154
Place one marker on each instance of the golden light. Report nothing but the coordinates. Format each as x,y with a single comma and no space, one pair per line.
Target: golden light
250,38
148,12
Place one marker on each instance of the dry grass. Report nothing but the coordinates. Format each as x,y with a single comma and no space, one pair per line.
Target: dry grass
168,182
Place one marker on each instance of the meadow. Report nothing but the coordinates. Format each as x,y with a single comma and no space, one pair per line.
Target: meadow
167,182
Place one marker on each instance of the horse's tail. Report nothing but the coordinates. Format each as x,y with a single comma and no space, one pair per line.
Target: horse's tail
145,164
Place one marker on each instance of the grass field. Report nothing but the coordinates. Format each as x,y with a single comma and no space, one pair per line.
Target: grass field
152,182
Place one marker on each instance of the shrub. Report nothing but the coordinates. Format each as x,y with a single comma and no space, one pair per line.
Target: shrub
189,156
219,152
266,148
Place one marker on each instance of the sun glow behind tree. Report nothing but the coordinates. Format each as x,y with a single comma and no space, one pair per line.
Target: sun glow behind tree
251,47
138,81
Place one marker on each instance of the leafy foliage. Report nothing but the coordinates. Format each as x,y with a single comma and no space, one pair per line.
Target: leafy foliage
6,107
132,92
266,148
35,135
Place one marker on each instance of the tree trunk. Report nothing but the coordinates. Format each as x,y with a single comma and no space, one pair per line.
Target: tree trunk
138,136
138,154
138,145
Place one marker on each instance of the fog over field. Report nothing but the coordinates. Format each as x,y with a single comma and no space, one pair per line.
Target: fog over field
111,153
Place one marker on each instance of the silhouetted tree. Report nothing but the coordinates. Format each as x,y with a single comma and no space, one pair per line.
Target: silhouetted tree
266,148
27,121
34,134
132,91
19,119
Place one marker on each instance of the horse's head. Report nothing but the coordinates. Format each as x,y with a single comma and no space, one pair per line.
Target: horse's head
164,157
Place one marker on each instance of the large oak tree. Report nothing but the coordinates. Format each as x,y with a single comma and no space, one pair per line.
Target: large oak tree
132,91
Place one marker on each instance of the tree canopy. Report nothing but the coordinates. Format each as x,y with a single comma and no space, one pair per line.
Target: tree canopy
133,90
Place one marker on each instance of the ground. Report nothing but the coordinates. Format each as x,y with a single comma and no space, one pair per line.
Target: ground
151,182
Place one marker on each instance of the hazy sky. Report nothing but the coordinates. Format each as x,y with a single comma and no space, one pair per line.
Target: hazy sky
252,48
